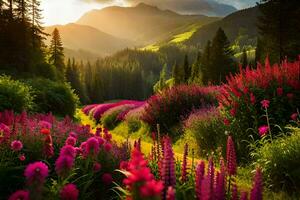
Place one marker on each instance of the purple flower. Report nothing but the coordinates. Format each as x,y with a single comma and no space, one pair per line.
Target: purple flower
69,192
199,178
92,146
68,150
16,145
220,186
257,188
263,130
20,195
231,157
64,164
36,172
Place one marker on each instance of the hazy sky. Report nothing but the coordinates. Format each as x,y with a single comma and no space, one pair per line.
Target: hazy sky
66,11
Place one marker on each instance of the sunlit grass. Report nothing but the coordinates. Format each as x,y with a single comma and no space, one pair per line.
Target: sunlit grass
151,47
184,36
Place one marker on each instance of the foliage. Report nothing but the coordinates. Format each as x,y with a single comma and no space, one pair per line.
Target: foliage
243,100
280,160
171,105
54,97
15,95
207,127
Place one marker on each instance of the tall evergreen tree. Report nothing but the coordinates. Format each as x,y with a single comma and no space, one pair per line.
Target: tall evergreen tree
57,53
205,62
178,74
244,59
221,62
187,68
279,28
196,72
258,51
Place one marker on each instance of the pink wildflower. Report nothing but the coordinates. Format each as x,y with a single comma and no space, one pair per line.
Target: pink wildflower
257,188
151,188
16,145
231,157
171,193
294,116
263,130
22,157
71,141
69,192
265,103
20,195
96,167
36,172
279,91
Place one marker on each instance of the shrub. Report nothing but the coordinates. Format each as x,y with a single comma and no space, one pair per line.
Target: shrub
15,95
207,127
168,107
55,97
240,100
110,118
280,161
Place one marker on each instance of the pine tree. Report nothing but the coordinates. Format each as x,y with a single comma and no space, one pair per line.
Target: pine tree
196,73
161,84
187,69
221,58
206,63
258,51
244,59
57,53
178,74
279,28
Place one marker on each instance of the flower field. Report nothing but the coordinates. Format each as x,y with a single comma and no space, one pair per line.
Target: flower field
44,157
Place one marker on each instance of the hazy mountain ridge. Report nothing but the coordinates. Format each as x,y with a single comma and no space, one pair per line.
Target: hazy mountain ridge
81,37
144,24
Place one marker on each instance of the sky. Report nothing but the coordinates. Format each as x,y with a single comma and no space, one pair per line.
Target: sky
67,11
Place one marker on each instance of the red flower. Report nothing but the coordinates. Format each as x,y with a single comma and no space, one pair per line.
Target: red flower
263,130
226,122
151,188
265,103
22,157
279,91
107,179
252,98
231,157
45,131
294,116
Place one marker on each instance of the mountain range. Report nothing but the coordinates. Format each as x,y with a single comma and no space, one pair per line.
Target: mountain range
108,30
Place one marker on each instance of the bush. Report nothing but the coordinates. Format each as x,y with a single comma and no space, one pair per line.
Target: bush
240,100
168,107
55,97
280,161
15,95
208,130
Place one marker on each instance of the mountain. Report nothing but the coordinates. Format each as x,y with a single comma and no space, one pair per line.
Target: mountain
241,21
85,38
144,24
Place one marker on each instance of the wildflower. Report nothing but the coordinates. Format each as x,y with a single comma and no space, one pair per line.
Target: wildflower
263,130
290,96
170,193
71,141
48,147
199,178
220,186
294,116
244,196
279,91
92,146
4,132
257,188
69,192
252,98
151,188
168,165
63,164
231,157
20,195
123,165
96,167
101,141
73,134
206,190
107,179
107,146
44,124
22,157
68,150
234,193
184,164
265,103
45,131
226,122
232,112
16,145
36,172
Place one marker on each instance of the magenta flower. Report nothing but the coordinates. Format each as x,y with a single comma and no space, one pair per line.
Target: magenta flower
231,157
107,146
257,188
44,124
252,98
71,141
73,134
234,193
68,150
263,130
199,178
96,167
22,157
226,122
280,91
244,196
64,164
184,164
16,145
36,172
171,194
294,116
69,192
151,188
107,179
20,195
265,103
92,146
220,186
